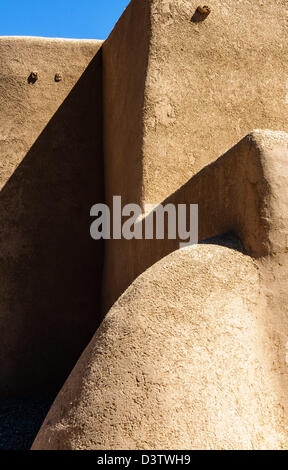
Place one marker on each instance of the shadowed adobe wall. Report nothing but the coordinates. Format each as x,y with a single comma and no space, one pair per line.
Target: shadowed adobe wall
208,82
244,191
51,171
26,108
193,355
189,357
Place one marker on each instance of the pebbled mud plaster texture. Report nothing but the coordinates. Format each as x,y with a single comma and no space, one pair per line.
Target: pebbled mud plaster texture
194,353
180,92
198,87
51,172
244,191
184,359
26,108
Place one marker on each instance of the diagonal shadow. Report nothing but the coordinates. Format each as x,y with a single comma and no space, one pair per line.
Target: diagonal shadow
50,268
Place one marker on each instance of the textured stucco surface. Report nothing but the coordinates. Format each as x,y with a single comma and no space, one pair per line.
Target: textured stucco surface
27,108
51,173
193,354
205,85
186,97
209,84
185,359
244,191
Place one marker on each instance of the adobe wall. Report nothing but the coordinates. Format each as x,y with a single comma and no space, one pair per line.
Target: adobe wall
177,93
207,83
187,358
194,353
51,172
244,192
210,83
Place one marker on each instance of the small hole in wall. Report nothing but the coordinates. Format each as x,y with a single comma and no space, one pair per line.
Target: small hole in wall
33,77
201,14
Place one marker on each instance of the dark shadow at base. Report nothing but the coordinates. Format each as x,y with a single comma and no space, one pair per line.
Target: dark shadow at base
21,419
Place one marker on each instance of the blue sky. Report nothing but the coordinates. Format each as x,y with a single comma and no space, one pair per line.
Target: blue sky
91,19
